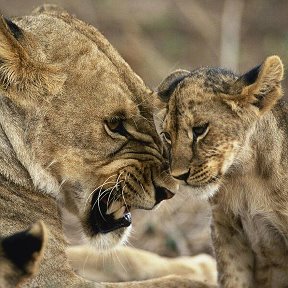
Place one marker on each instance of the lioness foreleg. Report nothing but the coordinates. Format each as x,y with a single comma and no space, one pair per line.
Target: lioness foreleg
172,281
130,264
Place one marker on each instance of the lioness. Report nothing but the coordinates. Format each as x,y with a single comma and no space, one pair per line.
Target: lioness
77,137
20,255
227,137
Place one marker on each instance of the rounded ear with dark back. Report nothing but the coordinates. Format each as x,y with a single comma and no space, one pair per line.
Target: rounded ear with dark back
21,72
169,84
261,86
21,253
25,249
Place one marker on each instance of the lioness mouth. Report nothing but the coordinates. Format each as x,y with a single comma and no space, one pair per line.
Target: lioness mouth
106,217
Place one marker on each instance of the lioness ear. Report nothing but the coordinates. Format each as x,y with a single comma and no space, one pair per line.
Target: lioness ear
11,52
20,71
169,84
261,86
25,249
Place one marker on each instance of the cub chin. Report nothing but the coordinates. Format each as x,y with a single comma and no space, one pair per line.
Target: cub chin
227,137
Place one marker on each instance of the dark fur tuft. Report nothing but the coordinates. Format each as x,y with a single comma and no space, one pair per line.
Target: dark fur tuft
15,30
251,76
20,247
165,94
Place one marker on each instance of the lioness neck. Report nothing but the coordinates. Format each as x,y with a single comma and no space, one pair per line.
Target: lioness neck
16,156
10,167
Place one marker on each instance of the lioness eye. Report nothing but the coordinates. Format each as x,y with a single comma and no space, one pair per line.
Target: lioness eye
116,126
167,137
199,130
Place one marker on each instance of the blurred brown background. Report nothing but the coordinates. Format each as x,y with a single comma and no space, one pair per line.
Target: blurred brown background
156,37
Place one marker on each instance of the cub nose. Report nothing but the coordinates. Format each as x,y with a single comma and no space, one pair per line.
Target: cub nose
183,177
161,194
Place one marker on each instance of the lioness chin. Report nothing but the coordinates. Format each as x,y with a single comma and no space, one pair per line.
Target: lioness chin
78,147
227,137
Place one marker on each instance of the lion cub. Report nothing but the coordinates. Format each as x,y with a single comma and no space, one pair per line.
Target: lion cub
20,255
227,137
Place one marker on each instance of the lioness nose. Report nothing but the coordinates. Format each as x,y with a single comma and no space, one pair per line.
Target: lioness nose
183,177
162,193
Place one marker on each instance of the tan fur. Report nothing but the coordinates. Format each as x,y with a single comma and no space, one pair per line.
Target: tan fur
75,121
29,246
239,161
130,264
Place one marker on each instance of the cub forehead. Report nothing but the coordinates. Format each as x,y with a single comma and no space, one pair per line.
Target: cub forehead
201,85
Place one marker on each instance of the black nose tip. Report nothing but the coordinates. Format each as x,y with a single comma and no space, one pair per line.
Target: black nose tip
183,177
162,193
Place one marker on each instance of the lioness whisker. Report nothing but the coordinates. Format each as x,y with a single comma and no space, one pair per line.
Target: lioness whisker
116,185
98,202
101,195
142,187
51,163
122,193
105,182
98,199
95,190
115,251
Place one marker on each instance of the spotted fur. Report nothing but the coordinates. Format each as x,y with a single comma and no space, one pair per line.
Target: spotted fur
227,136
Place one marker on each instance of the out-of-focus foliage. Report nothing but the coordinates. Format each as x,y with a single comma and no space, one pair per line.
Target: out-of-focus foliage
156,37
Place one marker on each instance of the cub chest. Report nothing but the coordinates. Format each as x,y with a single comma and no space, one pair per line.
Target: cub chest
268,243
263,225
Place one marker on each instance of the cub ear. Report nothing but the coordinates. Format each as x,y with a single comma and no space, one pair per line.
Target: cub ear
261,86
169,84
20,71
25,249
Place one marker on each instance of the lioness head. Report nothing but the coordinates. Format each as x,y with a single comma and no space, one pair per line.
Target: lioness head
80,122
20,255
210,115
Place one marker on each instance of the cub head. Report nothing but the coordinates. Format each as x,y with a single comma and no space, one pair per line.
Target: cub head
80,122
20,255
209,117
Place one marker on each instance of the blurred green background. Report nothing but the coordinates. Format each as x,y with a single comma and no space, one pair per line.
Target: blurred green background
156,37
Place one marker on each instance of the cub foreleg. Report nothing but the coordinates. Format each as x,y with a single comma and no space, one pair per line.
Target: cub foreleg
234,257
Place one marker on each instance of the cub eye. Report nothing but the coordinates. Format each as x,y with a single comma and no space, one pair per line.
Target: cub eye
116,126
166,137
199,131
